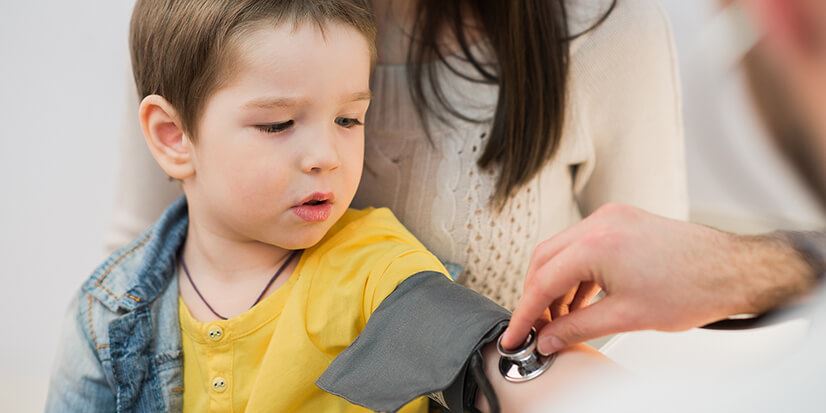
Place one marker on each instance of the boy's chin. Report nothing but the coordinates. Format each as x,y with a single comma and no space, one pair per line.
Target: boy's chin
306,239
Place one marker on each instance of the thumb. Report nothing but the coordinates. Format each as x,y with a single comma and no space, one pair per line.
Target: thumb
591,322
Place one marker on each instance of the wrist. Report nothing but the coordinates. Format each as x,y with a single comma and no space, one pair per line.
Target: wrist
770,271
812,248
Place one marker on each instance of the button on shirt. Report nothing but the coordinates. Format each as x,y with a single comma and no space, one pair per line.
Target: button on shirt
268,358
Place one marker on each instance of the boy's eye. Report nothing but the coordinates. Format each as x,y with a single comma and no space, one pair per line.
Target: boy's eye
275,127
347,122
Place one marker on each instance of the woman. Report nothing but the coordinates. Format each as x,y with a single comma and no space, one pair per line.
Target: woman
495,125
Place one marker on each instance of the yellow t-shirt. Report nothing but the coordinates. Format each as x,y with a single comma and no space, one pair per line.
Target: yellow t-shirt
268,358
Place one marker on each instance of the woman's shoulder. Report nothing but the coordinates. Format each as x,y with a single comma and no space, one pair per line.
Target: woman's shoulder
626,64
623,27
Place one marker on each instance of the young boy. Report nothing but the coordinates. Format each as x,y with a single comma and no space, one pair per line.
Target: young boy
254,291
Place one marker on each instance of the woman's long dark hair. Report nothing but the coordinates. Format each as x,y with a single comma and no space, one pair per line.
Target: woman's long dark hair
529,42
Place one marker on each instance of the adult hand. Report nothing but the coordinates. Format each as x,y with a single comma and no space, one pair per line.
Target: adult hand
576,298
657,274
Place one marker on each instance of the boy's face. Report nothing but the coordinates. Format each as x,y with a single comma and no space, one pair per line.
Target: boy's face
284,134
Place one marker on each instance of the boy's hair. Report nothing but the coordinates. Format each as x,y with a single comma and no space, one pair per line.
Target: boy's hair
184,50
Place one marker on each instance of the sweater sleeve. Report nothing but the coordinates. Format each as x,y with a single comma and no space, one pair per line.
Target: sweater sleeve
625,72
143,191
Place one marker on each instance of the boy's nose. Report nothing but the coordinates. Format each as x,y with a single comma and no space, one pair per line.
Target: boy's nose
320,156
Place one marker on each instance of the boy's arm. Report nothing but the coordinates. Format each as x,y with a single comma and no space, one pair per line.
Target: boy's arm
78,383
572,371
419,342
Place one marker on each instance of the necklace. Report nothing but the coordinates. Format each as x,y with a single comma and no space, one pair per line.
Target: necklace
260,296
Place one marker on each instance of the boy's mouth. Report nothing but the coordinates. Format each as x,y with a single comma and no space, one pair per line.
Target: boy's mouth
316,207
318,198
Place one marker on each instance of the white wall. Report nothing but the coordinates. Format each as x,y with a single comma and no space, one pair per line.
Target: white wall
63,65
62,96
737,180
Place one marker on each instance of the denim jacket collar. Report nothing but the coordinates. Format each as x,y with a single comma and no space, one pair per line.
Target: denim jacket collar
126,282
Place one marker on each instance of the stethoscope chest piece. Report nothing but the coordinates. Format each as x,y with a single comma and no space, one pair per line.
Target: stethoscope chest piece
523,363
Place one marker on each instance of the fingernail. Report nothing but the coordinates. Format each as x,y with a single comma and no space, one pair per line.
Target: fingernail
549,345
506,339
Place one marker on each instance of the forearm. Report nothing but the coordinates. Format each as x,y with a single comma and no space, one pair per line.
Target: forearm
570,372
778,267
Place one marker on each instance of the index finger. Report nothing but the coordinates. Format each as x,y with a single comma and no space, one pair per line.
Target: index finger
556,244
552,280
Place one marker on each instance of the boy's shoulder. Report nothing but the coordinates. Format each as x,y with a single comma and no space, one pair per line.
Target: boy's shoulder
375,229
116,275
365,255
371,244
136,273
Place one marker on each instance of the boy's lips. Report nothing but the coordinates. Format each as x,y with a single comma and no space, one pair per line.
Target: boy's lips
316,207
317,197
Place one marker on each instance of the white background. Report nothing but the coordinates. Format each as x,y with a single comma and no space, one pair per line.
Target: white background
63,67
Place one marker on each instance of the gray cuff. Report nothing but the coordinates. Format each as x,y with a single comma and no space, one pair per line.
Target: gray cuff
416,343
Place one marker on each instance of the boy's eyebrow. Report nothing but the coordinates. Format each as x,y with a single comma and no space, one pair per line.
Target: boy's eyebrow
283,102
366,95
273,102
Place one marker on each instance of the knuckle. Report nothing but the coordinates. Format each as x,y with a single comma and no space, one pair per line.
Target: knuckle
611,209
540,248
573,333
597,238
605,239
627,317
530,283
543,291
618,210
527,281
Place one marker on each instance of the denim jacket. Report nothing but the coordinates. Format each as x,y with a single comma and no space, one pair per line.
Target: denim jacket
120,350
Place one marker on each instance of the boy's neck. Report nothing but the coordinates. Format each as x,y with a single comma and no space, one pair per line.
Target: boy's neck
230,273
228,259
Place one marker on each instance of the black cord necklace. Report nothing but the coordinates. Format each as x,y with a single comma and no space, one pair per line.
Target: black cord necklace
260,296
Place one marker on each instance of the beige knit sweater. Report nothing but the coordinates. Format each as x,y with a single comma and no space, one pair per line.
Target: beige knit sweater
622,142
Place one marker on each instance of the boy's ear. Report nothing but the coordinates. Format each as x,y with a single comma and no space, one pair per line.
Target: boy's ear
165,137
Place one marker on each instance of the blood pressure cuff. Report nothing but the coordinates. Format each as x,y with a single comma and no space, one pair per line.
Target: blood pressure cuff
419,341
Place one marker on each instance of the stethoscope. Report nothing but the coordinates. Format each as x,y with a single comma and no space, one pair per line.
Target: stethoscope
523,363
